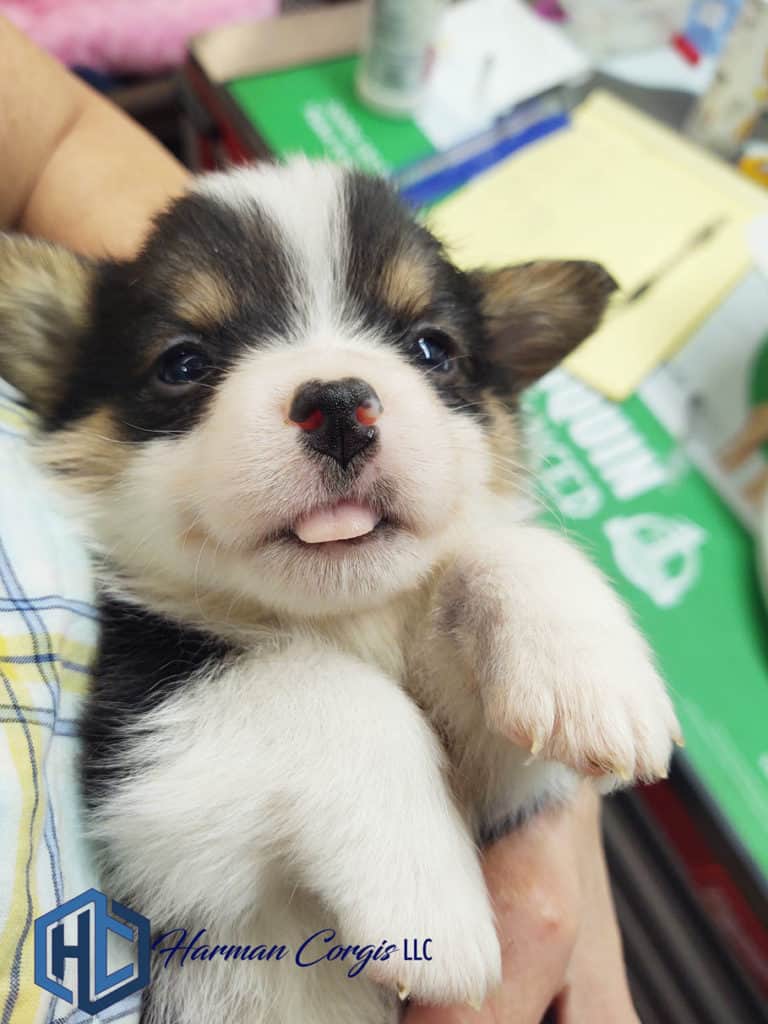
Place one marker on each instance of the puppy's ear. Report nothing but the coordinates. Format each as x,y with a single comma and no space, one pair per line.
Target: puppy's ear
536,313
44,306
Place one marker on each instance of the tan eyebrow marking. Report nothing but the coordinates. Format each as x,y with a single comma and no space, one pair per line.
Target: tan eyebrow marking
203,298
408,282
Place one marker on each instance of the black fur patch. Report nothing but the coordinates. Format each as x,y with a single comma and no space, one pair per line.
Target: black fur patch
224,278
382,231
136,316
136,305
144,658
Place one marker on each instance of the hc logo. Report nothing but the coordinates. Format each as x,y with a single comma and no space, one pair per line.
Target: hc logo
96,987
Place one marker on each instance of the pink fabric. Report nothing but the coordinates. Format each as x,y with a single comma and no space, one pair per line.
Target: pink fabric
126,35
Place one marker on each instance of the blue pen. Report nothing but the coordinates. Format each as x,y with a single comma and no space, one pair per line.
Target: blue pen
422,191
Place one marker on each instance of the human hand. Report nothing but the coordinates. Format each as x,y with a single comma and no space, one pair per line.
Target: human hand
559,937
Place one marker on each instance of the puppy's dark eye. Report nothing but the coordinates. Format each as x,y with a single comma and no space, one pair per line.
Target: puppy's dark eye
433,349
183,364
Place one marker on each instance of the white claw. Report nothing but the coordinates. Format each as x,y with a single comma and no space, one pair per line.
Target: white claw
537,745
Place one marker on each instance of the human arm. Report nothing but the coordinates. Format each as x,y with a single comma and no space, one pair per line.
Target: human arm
76,170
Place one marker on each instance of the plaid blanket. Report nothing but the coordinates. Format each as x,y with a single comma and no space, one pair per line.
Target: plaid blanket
48,631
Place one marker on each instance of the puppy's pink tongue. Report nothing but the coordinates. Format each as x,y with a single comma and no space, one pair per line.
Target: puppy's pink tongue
341,522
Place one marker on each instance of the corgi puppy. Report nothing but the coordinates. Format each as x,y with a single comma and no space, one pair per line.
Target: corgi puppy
336,656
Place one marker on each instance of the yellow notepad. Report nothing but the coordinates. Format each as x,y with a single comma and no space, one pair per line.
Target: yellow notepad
618,188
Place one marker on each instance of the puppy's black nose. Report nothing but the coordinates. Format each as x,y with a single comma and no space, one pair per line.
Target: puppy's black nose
338,417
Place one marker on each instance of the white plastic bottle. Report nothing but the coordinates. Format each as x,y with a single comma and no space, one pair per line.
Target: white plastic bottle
398,54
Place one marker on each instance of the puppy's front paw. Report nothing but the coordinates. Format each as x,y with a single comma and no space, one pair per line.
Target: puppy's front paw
458,936
440,908
561,669
597,705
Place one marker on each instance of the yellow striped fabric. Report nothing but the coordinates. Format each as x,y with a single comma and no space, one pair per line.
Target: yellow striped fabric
48,630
